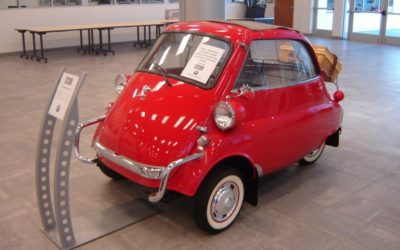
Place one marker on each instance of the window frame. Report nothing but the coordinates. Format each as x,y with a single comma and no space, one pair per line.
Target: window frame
184,79
310,52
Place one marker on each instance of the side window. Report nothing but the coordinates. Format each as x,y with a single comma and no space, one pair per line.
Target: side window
272,63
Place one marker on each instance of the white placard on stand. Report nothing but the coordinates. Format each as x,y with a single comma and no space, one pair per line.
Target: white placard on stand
63,95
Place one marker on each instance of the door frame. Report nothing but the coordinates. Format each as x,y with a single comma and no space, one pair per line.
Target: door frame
362,37
316,31
381,37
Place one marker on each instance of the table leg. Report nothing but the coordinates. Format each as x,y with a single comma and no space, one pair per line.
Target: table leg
149,43
144,36
33,45
109,41
158,31
100,50
81,41
92,49
41,48
23,54
137,36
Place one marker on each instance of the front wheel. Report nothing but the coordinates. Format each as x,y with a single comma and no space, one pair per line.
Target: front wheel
219,200
313,156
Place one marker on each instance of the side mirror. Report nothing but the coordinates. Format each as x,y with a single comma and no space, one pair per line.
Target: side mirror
246,91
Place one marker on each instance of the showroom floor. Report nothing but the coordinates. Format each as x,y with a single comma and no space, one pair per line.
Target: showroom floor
350,199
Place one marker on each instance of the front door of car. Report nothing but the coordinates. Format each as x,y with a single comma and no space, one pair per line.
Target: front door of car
280,118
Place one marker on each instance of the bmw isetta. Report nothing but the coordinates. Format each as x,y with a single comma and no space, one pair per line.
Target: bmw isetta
212,107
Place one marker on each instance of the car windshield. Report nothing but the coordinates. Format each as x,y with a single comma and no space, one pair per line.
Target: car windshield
192,58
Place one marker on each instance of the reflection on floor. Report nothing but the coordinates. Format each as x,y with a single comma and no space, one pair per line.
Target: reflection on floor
350,199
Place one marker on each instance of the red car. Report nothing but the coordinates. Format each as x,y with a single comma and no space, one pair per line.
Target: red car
212,107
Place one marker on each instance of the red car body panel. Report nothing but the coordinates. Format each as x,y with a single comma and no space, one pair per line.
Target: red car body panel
276,127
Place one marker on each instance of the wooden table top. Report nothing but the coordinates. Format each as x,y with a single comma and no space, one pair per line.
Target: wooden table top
111,25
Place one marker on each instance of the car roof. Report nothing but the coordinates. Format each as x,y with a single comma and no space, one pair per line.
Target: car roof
256,26
236,29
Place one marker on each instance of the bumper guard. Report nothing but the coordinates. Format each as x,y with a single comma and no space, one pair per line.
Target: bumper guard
148,171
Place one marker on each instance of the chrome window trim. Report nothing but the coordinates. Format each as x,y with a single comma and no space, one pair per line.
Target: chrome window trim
283,85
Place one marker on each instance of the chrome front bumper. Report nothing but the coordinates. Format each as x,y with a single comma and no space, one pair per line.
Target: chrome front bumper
148,171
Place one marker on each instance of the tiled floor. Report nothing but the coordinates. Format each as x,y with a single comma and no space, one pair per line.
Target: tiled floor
350,199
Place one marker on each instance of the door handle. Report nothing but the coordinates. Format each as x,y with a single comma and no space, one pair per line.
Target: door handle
383,12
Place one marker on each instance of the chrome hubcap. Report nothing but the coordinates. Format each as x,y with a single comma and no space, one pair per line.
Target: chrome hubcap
224,201
314,154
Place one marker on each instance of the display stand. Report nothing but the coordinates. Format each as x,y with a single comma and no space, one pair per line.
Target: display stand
57,222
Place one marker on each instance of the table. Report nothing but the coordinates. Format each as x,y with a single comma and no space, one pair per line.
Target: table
90,28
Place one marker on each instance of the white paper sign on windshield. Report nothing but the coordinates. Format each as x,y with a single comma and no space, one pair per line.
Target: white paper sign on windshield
203,62
63,95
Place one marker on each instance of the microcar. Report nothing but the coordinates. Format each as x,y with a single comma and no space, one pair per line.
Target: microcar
213,107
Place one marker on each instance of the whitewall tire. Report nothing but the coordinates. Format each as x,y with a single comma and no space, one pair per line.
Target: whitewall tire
313,156
218,202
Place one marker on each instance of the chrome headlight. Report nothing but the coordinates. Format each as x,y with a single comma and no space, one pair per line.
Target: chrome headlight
120,83
224,115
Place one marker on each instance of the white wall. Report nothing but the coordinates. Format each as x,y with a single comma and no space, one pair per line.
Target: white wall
338,18
47,16
270,11
302,17
35,17
235,10
202,10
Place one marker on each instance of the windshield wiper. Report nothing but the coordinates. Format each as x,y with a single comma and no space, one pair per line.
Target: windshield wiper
163,71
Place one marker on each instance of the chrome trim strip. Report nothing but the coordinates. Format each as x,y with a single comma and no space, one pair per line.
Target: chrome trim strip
157,196
283,85
142,169
78,131
136,167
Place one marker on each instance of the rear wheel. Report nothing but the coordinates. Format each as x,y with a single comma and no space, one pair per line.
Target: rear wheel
219,200
313,156
109,172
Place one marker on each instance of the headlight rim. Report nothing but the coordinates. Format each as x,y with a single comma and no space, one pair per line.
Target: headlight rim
231,111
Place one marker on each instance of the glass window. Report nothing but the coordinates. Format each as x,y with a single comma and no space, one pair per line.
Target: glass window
152,1
100,2
66,2
191,58
127,1
10,4
367,5
41,2
273,63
